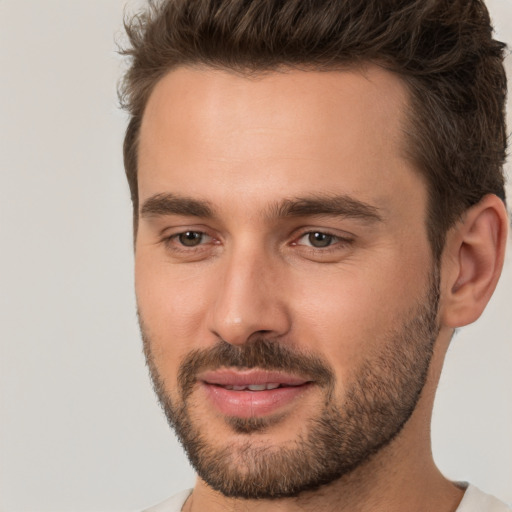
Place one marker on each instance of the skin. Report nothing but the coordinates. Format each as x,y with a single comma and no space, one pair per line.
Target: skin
244,145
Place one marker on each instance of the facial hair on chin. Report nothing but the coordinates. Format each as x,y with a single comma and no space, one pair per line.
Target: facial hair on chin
341,437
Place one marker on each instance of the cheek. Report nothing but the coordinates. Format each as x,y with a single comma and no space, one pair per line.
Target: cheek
350,314
172,311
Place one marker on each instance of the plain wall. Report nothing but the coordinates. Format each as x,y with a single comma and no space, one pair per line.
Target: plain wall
80,429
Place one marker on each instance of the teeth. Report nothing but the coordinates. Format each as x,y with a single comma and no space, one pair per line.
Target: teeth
254,387
257,387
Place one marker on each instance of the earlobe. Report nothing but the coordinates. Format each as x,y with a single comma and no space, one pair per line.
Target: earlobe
472,261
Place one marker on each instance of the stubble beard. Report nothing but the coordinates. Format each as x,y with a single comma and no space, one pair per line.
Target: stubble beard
343,436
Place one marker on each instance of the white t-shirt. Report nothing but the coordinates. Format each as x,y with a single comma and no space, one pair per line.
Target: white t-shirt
474,500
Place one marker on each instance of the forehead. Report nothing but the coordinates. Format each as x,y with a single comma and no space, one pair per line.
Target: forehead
291,131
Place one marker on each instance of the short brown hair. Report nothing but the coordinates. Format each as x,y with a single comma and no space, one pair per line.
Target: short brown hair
442,49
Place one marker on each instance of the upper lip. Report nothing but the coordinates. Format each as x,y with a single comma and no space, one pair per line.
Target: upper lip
230,377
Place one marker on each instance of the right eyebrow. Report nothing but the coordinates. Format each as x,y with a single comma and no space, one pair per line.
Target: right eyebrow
170,204
318,205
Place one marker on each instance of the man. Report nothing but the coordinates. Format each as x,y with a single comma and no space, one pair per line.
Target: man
318,204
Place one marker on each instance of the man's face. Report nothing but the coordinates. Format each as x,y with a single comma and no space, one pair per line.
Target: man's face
285,284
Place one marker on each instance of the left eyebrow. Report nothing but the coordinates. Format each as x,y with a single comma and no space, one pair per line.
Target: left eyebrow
342,206
171,204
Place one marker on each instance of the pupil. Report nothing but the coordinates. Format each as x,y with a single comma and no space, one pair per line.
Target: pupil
190,238
320,239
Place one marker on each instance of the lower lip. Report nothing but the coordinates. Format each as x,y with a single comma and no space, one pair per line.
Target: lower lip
251,404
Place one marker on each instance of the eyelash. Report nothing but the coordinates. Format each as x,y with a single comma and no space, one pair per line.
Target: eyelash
172,242
336,242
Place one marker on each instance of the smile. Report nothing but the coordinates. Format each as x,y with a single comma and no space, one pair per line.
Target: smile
252,393
257,387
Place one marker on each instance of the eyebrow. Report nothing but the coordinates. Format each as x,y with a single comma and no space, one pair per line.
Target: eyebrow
330,205
317,205
171,204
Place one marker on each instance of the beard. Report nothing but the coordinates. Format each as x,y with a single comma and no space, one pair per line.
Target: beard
343,435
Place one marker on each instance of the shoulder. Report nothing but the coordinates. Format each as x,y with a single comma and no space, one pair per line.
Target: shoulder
475,500
172,504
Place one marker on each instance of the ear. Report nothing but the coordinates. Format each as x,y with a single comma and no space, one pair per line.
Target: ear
472,261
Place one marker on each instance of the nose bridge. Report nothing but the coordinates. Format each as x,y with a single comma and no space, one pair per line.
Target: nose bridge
248,300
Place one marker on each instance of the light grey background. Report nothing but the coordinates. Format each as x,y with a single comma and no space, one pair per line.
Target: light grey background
79,426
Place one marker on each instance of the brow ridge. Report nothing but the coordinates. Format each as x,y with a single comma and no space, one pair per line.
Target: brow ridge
335,205
316,205
172,204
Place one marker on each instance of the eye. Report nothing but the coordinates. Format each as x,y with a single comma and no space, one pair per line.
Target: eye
191,238
318,239
190,245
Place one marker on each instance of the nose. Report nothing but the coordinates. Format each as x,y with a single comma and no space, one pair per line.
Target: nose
249,301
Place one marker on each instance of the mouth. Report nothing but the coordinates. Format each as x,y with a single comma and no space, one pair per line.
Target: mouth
252,393
255,387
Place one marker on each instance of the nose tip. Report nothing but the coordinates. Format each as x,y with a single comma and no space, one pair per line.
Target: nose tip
232,331
238,332
248,304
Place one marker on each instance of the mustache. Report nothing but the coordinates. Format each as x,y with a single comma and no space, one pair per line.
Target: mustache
259,353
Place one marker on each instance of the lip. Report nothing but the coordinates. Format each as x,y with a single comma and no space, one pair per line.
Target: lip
228,377
247,403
